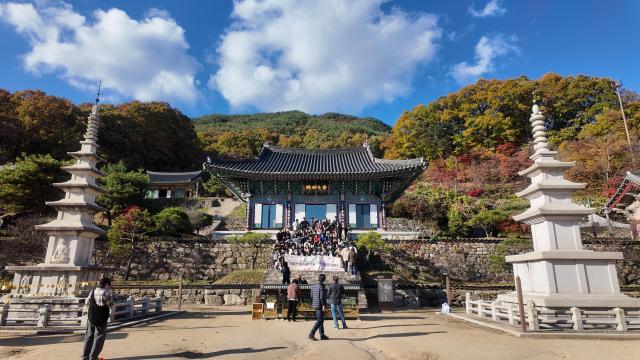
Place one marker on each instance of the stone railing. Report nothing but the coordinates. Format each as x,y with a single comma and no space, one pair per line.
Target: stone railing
540,319
48,316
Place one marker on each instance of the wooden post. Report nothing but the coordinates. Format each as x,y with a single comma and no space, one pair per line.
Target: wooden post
4,314
523,323
448,285
533,316
44,313
576,317
180,293
621,318
467,303
158,304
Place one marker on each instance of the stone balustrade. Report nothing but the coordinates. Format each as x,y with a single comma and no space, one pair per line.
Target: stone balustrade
545,319
46,316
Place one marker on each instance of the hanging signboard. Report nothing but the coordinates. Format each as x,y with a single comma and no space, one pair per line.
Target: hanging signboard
313,263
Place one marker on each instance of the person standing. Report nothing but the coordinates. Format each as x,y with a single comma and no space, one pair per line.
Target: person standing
352,261
286,273
293,293
318,303
100,301
345,258
334,298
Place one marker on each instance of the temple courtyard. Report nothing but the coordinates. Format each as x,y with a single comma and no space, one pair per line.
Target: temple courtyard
203,333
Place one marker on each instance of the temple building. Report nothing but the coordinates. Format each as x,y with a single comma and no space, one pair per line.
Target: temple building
624,204
282,185
169,185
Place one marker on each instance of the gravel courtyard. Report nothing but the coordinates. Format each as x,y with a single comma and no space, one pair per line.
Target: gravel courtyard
231,334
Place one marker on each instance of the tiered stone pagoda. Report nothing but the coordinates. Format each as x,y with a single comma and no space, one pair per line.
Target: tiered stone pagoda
282,185
559,272
67,273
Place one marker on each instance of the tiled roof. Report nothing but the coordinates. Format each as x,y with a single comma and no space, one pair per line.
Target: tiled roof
275,162
172,177
626,192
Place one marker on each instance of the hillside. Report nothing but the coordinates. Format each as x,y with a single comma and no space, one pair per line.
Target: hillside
243,135
291,122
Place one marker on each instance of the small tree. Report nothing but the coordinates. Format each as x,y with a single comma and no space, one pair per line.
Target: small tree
372,242
128,231
215,187
173,221
487,220
26,184
253,242
122,188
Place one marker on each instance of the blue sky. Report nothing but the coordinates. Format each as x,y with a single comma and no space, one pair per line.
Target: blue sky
366,58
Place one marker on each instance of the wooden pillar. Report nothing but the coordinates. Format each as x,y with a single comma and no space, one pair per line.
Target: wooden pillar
383,217
247,225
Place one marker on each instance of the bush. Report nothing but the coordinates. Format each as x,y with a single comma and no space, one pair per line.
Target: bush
173,221
199,219
372,241
510,246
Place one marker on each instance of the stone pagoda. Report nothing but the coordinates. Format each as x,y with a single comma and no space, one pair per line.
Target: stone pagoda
559,272
67,273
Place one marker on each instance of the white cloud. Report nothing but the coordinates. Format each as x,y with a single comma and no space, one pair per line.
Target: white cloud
486,50
492,8
320,56
142,59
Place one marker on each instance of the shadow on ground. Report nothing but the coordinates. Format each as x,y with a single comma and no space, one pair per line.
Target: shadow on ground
200,355
36,340
396,335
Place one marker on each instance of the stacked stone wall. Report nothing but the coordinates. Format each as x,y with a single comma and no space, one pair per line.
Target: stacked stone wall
164,259
219,297
463,260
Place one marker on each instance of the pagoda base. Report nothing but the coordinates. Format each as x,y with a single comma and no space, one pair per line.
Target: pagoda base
45,281
569,278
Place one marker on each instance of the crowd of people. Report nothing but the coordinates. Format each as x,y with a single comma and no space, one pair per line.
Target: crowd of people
314,238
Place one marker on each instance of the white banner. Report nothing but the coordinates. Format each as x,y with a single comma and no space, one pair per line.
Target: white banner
315,263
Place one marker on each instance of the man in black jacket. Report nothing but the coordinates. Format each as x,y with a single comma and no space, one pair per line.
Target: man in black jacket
318,303
334,296
100,301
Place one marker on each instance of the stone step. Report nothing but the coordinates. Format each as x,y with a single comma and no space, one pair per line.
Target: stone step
273,276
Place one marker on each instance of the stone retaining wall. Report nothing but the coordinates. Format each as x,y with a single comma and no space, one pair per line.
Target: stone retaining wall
462,260
227,297
163,259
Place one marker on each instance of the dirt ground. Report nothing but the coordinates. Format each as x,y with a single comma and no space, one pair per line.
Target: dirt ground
231,334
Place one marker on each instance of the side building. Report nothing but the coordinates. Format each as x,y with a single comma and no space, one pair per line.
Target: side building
282,185
169,185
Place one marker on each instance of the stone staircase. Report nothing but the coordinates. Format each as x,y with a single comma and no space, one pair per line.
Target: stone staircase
273,276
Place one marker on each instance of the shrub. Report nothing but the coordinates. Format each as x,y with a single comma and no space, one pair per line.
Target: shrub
372,241
173,221
511,246
199,219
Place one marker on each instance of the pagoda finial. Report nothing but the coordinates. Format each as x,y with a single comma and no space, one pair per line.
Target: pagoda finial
94,119
540,144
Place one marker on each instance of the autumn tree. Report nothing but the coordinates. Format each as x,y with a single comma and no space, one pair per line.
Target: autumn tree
26,184
129,230
122,187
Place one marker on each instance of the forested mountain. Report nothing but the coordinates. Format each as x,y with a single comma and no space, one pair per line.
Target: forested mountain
243,135
476,139
151,135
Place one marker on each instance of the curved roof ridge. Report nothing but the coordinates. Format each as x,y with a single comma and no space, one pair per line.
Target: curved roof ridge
280,149
196,172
